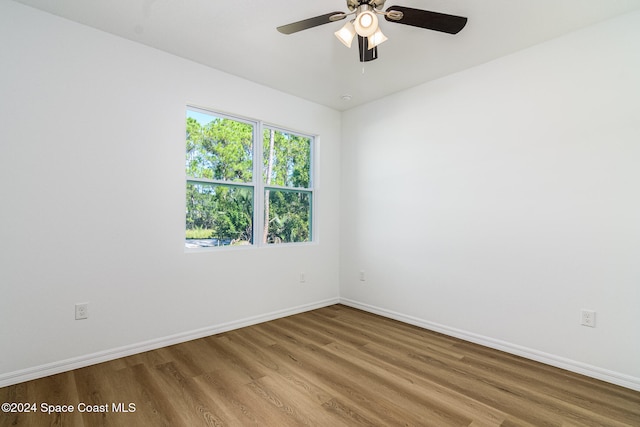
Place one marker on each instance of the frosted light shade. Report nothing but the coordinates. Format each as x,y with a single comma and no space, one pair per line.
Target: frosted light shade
376,38
346,34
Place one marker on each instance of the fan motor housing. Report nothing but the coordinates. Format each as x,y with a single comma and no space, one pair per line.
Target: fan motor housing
376,4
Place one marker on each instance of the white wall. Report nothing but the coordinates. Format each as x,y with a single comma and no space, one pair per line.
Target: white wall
493,204
92,200
496,203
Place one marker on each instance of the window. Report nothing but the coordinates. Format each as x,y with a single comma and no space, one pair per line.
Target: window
227,191
287,187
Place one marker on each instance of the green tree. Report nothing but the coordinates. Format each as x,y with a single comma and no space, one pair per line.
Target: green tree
287,163
221,150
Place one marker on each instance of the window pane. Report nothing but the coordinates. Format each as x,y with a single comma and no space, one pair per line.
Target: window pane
218,148
288,216
218,215
287,159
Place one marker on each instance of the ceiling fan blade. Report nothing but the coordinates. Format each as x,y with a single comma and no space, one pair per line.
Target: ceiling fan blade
442,22
366,54
305,24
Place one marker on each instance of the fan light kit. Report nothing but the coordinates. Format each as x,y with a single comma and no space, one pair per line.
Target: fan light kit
365,24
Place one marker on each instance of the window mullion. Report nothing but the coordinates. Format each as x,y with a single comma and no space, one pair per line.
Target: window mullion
258,208
285,188
218,182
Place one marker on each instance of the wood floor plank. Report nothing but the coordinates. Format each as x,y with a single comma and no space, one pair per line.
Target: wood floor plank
96,387
500,397
297,406
153,405
372,377
44,395
335,366
440,398
350,416
236,409
337,381
299,380
378,332
359,385
228,357
568,394
193,407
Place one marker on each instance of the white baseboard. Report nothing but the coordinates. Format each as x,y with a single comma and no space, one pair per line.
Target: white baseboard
539,356
111,354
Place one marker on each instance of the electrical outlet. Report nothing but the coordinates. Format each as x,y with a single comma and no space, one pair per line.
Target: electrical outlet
82,311
588,318
362,276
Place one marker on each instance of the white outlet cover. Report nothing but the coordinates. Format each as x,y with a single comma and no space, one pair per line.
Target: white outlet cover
82,311
588,318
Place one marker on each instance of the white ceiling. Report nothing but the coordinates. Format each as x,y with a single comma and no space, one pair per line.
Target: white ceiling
240,37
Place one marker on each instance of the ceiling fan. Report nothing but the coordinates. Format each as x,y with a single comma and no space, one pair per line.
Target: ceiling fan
365,24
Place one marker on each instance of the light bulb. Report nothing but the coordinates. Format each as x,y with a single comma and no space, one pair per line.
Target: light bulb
366,23
366,20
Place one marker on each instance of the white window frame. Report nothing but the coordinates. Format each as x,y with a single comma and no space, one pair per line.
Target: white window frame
257,184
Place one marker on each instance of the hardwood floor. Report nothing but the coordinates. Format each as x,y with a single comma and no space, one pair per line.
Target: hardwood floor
335,366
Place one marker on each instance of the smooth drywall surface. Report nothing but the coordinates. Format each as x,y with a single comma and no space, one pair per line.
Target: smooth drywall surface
502,200
92,193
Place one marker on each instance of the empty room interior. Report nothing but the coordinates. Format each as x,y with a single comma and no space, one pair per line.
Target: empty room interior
403,225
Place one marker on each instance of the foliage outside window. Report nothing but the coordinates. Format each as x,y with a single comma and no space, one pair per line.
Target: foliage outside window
227,191
287,180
